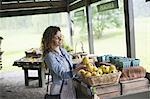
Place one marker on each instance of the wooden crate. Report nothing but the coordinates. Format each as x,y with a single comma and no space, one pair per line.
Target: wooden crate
83,91
108,91
134,86
109,95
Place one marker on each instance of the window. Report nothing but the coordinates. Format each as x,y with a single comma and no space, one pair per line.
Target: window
142,31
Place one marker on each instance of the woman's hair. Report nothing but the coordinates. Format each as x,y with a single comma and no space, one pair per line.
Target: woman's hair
47,38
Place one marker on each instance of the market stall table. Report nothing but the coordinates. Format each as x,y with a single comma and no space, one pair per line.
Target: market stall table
29,63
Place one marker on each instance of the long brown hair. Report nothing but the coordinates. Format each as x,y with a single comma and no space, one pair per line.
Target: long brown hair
47,38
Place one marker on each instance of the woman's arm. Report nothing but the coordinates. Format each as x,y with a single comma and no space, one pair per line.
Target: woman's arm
57,67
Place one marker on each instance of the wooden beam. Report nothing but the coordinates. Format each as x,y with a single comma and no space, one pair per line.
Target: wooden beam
71,1
94,1
80,4
70,24
77,5
52,4
31,12
89,26
129,26
0,3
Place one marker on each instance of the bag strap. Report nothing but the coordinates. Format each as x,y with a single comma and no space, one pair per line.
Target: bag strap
47,89
61,86
48,81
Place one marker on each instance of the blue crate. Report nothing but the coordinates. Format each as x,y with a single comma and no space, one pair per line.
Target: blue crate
112,60
135,62
124,64
107,57
101,58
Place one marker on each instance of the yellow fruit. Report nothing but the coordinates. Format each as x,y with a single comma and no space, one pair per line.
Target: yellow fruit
101,67
112,67
98,74
90,67
100,71
87,74
82,71
113,71
105,69
95,68
85,60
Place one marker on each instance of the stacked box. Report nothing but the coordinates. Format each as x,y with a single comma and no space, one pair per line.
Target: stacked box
83,91
135,62
104,58
108,91
134,86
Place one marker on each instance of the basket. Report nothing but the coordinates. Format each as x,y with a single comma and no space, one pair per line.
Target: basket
111,78
33,52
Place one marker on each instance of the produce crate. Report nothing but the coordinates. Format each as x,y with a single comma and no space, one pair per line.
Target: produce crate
135,62
101,58
104,58
83,91
110,78
134,86
108,91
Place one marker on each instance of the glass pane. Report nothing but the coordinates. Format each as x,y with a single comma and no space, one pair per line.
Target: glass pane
142,31
80,34
109,31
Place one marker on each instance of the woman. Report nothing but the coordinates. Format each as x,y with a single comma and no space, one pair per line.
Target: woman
59,63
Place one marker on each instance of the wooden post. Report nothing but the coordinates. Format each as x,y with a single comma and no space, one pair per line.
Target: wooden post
129,26
70,28
69,23
89,26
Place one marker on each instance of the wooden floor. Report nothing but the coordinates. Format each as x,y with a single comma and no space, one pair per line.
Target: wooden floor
142,95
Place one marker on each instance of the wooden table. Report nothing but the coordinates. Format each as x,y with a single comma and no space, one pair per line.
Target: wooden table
29,63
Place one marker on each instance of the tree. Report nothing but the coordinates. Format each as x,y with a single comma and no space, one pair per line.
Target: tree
105,19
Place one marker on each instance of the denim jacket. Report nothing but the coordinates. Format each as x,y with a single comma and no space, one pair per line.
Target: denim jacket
56,65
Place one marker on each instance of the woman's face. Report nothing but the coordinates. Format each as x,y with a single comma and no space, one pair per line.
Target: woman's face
58,39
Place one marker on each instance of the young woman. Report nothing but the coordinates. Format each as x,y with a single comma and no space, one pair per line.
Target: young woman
59,62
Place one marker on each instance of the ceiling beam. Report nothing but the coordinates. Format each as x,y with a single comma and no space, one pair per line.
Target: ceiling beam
94,1
77,5
80,4
52,4
31,12
71,1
